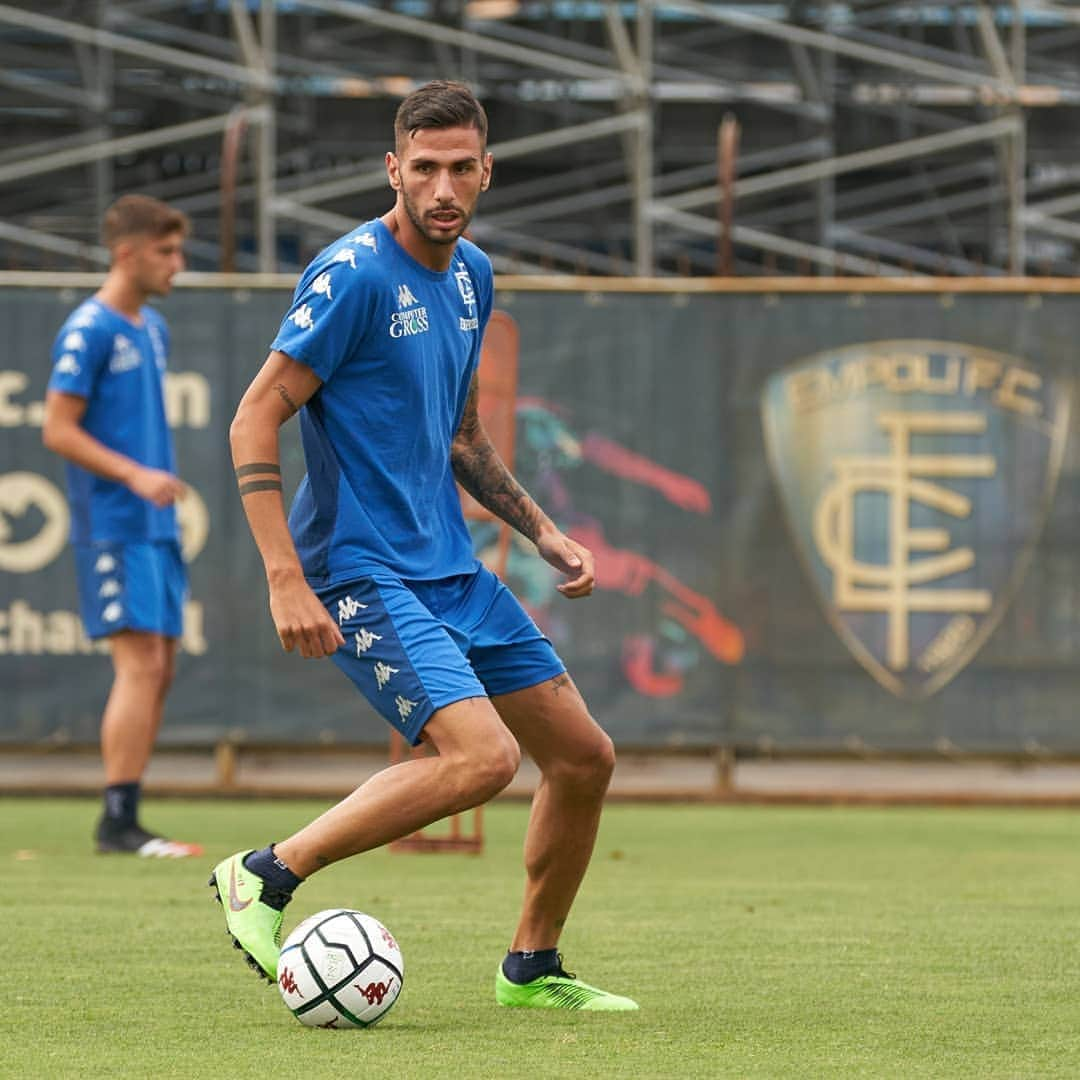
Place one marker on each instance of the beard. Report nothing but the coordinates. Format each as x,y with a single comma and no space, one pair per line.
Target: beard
442,236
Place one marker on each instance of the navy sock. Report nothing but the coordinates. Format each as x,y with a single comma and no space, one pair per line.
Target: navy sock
122,804
523,967
272,870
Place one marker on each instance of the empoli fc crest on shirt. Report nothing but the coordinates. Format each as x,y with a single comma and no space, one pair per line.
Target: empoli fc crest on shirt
916,476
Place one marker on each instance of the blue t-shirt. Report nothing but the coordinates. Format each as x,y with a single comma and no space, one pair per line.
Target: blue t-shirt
395,345
119,368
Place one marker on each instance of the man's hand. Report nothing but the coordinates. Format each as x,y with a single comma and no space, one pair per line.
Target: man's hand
156,486
572,559
301,621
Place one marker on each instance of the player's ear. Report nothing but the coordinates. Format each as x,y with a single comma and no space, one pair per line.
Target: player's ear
485,175
393,170
124,248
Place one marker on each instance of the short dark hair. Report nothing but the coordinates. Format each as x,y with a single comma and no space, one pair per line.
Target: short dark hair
141,215
439,104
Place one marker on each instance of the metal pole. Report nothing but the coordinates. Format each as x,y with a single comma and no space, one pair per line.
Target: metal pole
727,156
102,168
266,144
1017,149
644,164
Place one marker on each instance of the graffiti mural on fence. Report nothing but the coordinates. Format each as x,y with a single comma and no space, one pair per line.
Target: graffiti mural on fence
916,476
690,627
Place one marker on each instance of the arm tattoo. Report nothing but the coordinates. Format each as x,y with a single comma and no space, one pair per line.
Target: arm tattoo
284,394
259,485
481,472
255,467
267,477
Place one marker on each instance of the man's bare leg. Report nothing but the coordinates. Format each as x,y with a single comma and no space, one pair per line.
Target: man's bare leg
576,758
143,666
476,758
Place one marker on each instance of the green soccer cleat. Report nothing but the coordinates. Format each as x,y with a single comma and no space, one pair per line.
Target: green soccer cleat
560,990
255,926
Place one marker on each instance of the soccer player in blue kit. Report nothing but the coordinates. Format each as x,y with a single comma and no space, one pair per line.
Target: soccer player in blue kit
105,413
375,567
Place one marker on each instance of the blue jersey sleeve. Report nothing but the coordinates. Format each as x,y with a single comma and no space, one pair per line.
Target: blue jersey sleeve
331,315
79,353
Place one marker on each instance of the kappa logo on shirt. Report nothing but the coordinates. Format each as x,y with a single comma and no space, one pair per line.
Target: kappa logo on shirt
410,322
346,255
74,341
83,318
367,240
67,365
125,357
321,286
302,317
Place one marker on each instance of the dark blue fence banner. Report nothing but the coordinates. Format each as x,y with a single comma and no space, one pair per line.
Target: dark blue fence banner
821,520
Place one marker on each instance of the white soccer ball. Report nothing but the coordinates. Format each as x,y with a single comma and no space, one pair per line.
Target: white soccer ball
340,969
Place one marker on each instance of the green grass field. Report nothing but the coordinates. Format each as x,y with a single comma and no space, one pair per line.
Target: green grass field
760,942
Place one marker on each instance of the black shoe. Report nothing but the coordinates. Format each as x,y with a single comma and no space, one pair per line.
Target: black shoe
135,840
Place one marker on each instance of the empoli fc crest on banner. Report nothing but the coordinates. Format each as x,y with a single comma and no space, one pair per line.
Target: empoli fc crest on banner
916,476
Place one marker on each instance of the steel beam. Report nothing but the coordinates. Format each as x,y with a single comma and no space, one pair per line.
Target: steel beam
106,39
62,159
462,39
871,54
60,245
863,159
757,238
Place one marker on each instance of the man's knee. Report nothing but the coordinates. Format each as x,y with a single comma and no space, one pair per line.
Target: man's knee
588,765
493,765
148,661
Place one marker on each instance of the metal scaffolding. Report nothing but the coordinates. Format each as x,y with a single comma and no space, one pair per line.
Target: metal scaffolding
863,138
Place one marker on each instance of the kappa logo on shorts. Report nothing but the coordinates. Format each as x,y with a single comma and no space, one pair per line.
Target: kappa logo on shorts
112,611
365,639
404,706
110,587
105,564
347,607
383,673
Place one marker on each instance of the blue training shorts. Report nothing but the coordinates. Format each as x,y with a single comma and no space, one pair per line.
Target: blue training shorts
134,586
412,647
